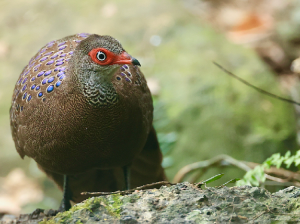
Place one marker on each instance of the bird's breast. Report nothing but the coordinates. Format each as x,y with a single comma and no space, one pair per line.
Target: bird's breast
68,134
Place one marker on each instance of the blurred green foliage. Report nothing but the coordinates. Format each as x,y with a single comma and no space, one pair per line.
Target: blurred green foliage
200,112
256,176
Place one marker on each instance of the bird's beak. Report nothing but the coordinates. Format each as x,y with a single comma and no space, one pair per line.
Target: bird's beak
126,58
134,61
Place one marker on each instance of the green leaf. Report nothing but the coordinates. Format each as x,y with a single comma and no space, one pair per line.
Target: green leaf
229,182
267,164
298,154
287,155
288,162
297,162
214,178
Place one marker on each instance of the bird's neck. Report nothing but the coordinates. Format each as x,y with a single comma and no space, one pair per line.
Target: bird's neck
97,89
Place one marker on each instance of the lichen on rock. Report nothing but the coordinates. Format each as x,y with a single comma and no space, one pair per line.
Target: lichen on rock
186,203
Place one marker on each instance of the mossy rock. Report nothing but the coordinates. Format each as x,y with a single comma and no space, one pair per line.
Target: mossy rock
186,203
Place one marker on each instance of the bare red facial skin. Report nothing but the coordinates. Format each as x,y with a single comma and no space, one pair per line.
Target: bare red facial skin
111,58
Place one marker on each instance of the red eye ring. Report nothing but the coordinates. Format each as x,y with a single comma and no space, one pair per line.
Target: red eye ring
101,56
98,56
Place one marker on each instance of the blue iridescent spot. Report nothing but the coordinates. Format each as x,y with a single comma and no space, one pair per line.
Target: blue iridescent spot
26,73
40,73
126,66
60,73
37,57
33,86
37,67
50,88
127,79
77,41
43,59
43,50
71,52
29,98
48,73
61,59
63,47
59,63
118,78
129,74
20,80
21,108
62,69
122,68
68,59
37,88
40,94
62,43
33,79
56,69
24,96
44,81
62,55
51,79
54,56
24,80
49,62
51,52
83,34
32,64
62,77
24,87
58,84
123,74
50,44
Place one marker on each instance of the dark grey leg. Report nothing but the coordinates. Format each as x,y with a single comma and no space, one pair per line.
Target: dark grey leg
126,171
65,204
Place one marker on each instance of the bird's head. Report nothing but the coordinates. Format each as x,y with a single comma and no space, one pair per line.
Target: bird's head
100,56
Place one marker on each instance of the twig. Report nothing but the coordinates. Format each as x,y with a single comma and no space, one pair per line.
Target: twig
257,216
279,180
274,174
128,191
289,175
254,87
213,162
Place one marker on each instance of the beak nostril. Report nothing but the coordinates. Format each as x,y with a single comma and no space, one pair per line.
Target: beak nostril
135,62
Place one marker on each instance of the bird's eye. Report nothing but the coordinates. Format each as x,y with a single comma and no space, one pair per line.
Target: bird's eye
101,56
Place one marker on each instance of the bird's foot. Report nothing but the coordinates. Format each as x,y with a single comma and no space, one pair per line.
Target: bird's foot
36,213
65,205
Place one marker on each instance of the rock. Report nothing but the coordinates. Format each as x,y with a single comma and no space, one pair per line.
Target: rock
185,203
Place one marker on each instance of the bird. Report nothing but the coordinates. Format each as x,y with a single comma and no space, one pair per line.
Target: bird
82,110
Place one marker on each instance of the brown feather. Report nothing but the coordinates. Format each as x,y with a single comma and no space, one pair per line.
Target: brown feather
97,120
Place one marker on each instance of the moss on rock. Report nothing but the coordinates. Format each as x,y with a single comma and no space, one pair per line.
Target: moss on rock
185,203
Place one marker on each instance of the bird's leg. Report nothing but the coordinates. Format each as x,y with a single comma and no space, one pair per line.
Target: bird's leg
126,171
65,204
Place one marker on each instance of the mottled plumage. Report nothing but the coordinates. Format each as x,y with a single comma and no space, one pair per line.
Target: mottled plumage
79,118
